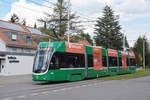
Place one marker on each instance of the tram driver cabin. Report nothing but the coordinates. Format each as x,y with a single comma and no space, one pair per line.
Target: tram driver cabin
63,61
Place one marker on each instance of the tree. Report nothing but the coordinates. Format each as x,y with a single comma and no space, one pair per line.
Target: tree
82,36
58,19
14,18
23,22
138,50
107,30
35,26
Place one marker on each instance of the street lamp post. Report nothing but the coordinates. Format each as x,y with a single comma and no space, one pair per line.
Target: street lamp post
68,28
143,53
124,47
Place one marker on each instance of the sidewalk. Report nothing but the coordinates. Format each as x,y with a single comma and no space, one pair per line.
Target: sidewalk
15,78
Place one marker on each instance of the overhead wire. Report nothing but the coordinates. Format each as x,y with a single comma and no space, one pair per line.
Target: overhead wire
38,11
39,4
50,2
33,10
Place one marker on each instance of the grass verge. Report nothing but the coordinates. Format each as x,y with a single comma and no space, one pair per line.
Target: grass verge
138,73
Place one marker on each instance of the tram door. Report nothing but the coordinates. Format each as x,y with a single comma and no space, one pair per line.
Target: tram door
97,58
124,64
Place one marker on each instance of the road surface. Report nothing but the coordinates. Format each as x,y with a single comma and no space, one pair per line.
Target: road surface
23,88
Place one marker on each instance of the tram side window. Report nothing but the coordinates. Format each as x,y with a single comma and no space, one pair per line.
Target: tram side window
132,62
67,60
127,61
90,60
120,61
112,61
104,60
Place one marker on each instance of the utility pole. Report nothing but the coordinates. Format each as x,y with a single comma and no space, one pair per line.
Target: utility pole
68,28
94,44
124,41
143,53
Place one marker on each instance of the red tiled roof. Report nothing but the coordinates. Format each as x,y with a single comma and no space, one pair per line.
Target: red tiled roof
19,42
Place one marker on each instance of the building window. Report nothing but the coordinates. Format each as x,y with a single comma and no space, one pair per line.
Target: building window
13,36
14,49
26,38
28,50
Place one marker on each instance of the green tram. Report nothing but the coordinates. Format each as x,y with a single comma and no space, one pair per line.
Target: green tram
63,61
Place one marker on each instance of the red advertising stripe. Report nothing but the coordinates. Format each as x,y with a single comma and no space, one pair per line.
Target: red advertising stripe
112,52
124,64
74,48
97,58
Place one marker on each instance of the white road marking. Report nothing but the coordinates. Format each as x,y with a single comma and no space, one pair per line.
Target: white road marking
45,92
9,98
34,94
55,90
77,86
63,89
22,96
83,85
89,84
69,88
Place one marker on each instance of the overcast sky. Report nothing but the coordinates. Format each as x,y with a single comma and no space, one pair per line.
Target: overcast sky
134,14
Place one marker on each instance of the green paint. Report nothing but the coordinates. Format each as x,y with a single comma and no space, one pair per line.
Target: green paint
78,74
89,50
104,51
119,54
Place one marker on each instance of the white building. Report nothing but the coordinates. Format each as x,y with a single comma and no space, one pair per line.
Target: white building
17,50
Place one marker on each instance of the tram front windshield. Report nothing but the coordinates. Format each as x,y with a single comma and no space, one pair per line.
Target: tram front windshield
41,60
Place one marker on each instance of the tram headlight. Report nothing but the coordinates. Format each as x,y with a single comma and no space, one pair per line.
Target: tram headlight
37,77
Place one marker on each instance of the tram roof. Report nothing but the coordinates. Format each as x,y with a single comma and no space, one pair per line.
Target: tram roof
60,46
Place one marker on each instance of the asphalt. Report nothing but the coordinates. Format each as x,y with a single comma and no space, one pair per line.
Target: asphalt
23,88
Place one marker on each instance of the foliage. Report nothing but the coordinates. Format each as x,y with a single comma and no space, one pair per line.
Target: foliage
138,50
107,30
24,22
35,26
14,18
82,36
58,19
